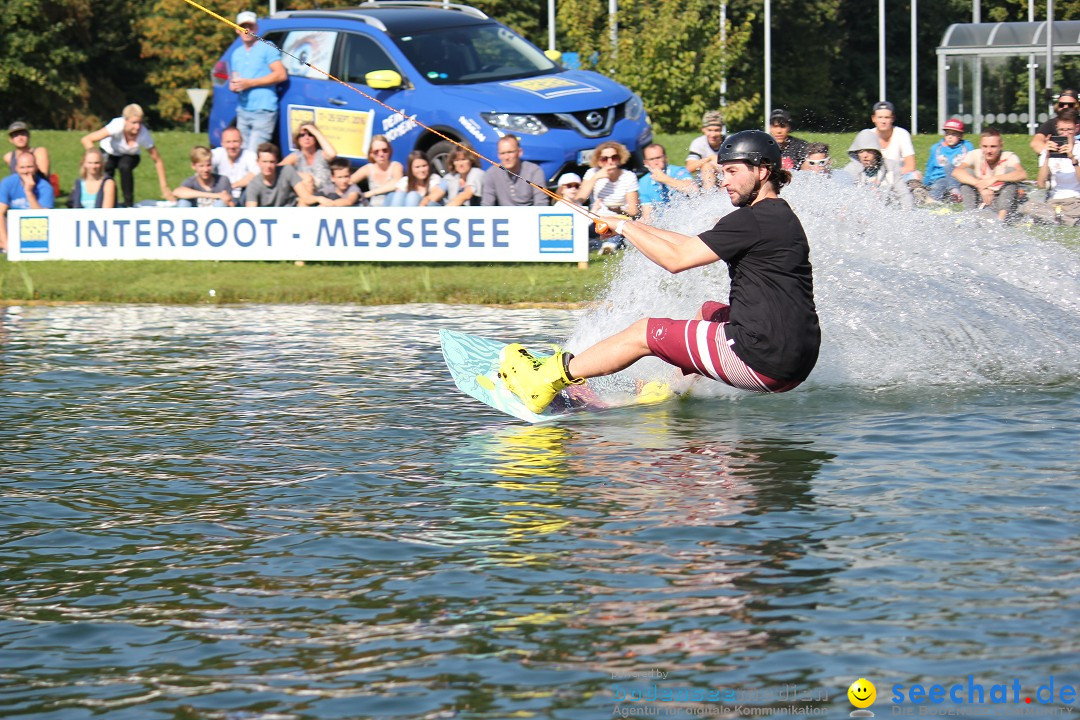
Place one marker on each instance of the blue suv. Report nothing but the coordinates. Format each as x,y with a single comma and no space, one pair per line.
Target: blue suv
449,66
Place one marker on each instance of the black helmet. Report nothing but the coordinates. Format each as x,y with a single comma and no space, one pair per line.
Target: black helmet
750,146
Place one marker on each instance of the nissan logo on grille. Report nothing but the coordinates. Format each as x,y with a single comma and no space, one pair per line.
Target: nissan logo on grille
594,119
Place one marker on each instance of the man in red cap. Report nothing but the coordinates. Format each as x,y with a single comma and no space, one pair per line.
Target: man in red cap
945,155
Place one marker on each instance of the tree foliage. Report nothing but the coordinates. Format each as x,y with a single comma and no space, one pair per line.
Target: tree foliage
668,51
180,45
36,49
76,63
65,63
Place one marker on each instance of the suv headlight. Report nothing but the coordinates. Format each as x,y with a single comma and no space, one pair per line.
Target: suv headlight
522,124
635,108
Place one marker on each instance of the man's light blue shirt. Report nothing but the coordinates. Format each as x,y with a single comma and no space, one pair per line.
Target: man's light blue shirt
651,192
251,64
13,194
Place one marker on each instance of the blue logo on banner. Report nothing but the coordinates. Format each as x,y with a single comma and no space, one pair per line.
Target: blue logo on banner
33,234
556,233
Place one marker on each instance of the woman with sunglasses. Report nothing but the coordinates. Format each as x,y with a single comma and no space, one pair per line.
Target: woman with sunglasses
609,188
420,187
312,157
381,173
1066,100
19,135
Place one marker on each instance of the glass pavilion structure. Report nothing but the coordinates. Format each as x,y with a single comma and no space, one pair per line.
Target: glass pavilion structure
983,69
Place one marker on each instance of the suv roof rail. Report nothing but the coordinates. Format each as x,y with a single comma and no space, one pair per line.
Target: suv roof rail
337,14
435,4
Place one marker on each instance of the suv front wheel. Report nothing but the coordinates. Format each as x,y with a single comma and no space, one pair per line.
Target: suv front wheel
439,156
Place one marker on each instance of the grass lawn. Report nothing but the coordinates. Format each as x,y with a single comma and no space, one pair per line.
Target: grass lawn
211,282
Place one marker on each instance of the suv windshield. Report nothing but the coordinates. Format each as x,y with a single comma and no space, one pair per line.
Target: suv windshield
473,54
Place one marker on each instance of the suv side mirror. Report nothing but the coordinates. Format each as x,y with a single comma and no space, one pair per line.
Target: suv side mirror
383,79
554,56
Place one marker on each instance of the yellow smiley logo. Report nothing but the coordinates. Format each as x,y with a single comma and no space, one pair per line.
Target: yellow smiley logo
862,693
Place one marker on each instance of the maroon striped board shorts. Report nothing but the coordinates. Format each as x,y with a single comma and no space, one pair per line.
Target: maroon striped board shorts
702,347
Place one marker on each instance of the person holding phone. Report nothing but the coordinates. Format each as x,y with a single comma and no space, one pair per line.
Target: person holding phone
1068,99
1059,170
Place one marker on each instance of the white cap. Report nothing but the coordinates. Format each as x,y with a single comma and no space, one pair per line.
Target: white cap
247,17
567,178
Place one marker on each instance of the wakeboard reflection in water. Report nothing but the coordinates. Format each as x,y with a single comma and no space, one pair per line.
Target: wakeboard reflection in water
903,297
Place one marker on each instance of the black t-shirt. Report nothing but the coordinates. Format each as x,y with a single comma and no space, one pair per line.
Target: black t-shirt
1048,127
793,152
773,319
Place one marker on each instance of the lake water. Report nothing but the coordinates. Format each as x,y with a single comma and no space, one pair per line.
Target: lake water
290,513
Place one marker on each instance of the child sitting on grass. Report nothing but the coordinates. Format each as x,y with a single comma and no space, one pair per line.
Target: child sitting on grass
205,188
945,155
340,191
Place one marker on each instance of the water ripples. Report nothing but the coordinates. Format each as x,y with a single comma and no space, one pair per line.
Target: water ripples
287,512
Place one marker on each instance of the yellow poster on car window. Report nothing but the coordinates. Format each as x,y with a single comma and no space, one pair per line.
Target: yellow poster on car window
349,131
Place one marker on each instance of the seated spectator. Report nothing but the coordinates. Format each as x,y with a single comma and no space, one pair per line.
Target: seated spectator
819,165
121,141
275,186
568,187
464,184
522,186
205,188
19,135
420,187
817,159
312,157
870,167
341,192
609,188
1067,100
895,144
380,174
945,155
989,176
92,188
1058,170
792,149
232,160
25,190
656,188
708,143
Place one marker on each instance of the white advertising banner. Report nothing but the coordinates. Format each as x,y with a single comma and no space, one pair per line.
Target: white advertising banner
472,234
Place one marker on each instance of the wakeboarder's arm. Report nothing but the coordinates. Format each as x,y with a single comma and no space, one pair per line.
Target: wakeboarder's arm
670,250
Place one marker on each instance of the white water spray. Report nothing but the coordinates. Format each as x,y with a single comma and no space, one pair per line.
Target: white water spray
904,297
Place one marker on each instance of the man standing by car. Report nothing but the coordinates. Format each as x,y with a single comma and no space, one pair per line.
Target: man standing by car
513,188
256,69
